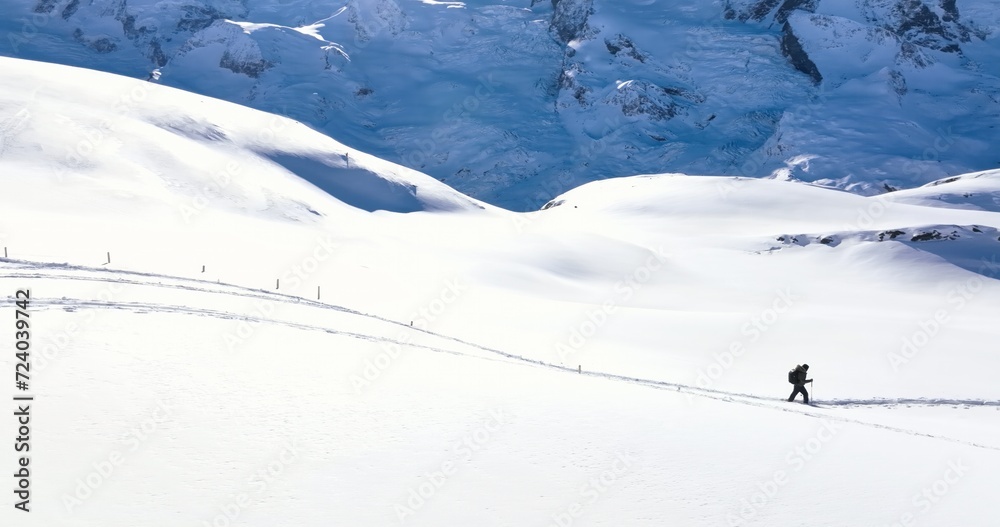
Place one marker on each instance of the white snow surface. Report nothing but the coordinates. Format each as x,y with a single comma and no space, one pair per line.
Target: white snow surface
291,332
970,191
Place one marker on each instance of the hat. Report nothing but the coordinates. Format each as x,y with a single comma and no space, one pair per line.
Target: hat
805,366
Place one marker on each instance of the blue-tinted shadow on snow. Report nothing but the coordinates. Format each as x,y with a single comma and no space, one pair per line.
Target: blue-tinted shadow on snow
971,247
984,263
356,187
975,248
190,128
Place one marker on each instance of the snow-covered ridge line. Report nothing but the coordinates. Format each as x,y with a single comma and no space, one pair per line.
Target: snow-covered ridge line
877,95
208,153
917,235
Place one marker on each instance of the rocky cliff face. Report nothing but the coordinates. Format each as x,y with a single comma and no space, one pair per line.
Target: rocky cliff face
791,47
936,25
569,18
514,101
157,31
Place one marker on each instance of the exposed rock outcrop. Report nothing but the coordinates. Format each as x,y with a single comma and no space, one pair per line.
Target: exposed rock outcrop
569,18
800,60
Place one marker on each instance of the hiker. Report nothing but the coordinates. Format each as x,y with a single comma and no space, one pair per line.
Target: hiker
798,378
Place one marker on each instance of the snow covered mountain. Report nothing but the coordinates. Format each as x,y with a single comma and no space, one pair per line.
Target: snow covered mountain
256,163
236,320
516,101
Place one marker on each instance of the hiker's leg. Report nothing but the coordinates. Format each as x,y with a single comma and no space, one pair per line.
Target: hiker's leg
805,395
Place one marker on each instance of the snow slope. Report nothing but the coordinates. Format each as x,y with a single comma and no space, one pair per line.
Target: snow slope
255,161
615,359
970,191
516,101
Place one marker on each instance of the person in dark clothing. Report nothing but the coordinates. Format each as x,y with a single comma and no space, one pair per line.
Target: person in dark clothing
800,383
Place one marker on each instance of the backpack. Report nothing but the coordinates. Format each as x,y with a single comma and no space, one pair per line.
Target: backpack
793,375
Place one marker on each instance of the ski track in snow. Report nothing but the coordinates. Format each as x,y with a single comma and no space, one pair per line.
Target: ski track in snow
22,269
